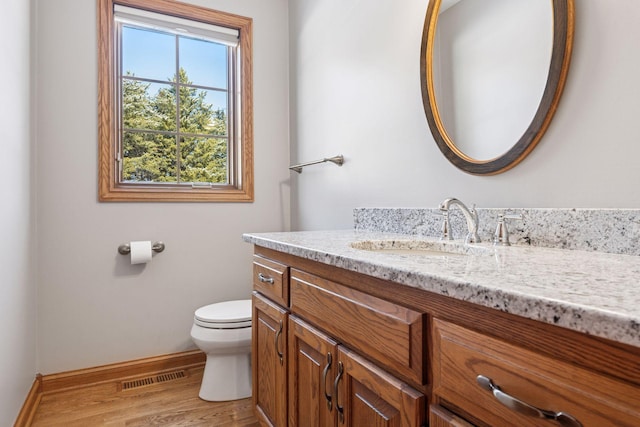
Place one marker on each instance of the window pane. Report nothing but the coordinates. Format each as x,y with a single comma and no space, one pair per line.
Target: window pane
203,160
172,120
148,54
148,157
204,62
203,111
148,106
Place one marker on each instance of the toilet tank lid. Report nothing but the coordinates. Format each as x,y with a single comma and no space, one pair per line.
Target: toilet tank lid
228,311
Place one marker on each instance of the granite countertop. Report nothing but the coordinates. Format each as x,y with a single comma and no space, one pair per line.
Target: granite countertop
591,292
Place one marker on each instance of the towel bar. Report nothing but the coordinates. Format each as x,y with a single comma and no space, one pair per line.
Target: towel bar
338,160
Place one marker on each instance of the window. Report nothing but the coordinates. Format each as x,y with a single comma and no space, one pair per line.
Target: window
175,106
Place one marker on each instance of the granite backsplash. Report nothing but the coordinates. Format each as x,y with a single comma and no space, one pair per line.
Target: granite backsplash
605,230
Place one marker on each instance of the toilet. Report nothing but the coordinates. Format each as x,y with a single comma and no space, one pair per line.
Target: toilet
223,332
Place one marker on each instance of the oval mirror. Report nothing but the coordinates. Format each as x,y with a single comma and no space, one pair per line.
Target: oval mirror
492,74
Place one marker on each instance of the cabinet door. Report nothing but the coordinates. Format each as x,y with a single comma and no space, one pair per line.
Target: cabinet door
269,358
365,395
440,417
312,357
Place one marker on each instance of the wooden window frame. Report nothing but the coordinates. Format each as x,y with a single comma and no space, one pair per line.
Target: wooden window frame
109,188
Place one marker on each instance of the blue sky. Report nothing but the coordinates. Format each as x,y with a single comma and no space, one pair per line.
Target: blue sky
150,54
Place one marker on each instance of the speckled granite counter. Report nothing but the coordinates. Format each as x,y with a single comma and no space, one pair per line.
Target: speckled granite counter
591,292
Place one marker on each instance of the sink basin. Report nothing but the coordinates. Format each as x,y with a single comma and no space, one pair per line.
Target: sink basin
421,247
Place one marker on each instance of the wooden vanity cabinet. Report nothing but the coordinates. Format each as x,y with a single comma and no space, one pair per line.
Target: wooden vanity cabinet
331,385
318,361
312,359
363,351
388,333
271,278
366,395
269,361
499,384
270,321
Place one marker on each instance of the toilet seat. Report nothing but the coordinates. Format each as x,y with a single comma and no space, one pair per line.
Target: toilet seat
224,315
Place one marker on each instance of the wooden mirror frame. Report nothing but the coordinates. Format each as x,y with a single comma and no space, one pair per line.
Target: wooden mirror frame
563,27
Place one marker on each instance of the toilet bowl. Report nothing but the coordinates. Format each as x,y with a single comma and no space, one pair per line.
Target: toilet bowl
223,332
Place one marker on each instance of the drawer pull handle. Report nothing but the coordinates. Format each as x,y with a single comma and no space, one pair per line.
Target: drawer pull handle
339,408
324,381
265,279
524,408
280,355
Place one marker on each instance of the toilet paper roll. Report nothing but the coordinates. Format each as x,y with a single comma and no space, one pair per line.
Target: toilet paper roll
140,252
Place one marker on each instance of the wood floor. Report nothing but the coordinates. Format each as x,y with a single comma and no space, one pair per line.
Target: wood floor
173,402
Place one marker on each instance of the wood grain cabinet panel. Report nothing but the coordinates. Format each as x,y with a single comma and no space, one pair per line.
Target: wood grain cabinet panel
320,369
269,360
271,278
388,333
368,396
440,417
312,358
461,355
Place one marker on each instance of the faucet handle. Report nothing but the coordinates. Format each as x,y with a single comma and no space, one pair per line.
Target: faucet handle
473,211
446,228
501,236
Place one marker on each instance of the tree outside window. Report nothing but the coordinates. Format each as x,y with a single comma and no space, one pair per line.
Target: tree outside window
179,125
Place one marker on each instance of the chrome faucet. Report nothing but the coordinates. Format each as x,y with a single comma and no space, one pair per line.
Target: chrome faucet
469,214
501,236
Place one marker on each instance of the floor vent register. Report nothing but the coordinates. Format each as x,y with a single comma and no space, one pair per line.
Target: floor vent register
155,379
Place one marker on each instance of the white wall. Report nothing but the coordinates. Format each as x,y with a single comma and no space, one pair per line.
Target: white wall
355,90
94,308
17,285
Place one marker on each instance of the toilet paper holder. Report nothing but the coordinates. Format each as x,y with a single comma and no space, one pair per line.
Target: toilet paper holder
125,248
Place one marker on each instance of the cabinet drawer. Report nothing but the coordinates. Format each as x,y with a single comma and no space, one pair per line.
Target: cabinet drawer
440,417
271,279
388,333
461,355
